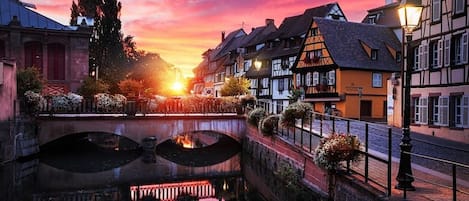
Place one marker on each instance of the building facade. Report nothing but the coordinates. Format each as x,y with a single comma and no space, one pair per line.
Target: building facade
60,52
440,72
343,65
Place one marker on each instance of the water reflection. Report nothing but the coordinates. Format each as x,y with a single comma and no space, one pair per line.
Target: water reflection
217,151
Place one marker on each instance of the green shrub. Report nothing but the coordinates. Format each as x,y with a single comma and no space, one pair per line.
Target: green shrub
294,111
29,79
91,87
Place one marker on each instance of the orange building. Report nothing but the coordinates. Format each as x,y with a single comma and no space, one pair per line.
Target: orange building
343,68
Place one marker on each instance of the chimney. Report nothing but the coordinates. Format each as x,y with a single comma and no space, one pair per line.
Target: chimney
222,36
386,2
269,21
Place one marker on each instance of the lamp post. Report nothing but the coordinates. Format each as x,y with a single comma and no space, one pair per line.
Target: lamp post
258,66
409,15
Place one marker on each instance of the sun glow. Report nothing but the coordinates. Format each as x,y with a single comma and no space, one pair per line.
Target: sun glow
177,86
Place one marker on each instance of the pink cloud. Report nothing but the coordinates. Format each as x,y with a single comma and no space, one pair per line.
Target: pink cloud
181,30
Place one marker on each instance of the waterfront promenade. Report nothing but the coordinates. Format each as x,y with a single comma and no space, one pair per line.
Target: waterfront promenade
433,179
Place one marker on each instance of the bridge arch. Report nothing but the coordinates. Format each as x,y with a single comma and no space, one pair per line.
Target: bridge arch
139,128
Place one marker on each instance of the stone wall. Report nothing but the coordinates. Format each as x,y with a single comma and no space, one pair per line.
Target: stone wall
271,151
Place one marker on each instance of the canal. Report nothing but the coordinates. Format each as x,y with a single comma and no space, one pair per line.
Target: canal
93,166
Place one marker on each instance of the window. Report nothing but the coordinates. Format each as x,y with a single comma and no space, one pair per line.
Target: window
291,60
423,55
33,55
420,110
374,54
314,32
281,84
447,55
416,58
459,6
298,80
56,62
247,65
439,110
372,19
308,79
461,112
436,51
377,80
436,10
276,67
315,78
460,46
331,76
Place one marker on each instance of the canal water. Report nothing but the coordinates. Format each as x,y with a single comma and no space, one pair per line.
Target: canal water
84,168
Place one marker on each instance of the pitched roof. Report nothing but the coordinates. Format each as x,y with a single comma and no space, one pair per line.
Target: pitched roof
299,24
11,9
385,15
231,41
343,41
259,35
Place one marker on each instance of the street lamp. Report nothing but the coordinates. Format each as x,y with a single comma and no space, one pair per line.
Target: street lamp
258,64
409,14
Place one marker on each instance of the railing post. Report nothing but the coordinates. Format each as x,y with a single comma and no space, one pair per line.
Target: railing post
366,151
454,182
348,126
320,125
389,160
333,124
301,133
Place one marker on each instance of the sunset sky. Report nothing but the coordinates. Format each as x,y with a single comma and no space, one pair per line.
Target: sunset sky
181,30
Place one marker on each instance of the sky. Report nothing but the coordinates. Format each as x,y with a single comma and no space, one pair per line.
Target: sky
181,30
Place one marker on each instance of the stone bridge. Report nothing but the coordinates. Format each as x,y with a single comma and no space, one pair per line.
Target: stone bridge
138,128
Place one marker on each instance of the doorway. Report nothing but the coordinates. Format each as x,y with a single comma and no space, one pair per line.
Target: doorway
365,109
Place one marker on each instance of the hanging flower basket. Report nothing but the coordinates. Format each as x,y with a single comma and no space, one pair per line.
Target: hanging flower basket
316,59
337,148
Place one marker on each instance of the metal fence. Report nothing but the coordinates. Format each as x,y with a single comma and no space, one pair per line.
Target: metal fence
370,169
167,106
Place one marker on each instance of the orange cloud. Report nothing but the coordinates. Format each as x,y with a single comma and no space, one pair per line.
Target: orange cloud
181,30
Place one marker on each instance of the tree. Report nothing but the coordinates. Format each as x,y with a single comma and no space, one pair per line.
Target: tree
235,87
74,13
29,79
91,87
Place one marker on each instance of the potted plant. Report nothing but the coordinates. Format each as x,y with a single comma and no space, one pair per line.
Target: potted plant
255,116
269,124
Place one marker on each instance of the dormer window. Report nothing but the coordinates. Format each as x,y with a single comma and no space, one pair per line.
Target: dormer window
372,19
314,32
374,54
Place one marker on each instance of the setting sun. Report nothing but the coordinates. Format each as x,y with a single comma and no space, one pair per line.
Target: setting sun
177,86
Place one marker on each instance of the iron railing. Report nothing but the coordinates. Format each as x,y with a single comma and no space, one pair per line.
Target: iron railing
453,186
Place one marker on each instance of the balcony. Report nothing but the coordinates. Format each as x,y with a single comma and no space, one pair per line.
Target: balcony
321,91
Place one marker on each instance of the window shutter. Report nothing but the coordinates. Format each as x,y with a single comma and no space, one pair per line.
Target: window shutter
444,110
424,110
315,78
465,111
440,54
298,80
464,48
308,79
447,56
421,64
331,80
424,57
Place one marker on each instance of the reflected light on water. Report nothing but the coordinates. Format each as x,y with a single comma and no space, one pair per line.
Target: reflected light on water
203,190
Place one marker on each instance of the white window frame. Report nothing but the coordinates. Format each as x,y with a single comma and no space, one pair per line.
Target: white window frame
436,10
377,80
315,78
440,111
247,65
458,6
298,80
308,79
331,76
464,47
462,112
281,84
421,111
416,57
291,60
